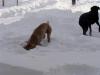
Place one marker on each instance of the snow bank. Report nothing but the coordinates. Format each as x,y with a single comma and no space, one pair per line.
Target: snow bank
67,45
31,5
25,7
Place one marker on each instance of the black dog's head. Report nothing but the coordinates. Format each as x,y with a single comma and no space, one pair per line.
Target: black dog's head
95,8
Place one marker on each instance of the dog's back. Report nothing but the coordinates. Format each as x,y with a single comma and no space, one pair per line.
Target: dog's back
88,18
39,34
41,29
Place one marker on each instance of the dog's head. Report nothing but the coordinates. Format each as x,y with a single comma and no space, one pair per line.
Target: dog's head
29,46
95,8
31,43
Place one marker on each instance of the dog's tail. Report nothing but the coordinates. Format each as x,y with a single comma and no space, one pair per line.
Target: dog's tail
47,22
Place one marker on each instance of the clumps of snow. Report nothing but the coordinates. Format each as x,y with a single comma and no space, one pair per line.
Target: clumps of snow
72,69
10,20
31,5
24,8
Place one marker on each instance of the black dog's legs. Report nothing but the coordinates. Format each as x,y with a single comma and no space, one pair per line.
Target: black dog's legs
98,25
99,28
85,30
90,33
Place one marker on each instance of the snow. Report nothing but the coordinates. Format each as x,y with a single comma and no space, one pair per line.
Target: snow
68,53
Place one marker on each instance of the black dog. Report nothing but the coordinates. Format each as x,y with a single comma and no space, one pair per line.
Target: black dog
89,18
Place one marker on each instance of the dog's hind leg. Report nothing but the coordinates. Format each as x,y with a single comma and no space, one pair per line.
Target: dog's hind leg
90,33
98,25
48,35
49,30
44,36
99,28
85,30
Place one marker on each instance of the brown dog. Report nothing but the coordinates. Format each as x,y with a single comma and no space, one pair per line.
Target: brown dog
38,35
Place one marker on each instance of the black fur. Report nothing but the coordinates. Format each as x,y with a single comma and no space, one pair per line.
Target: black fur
89,18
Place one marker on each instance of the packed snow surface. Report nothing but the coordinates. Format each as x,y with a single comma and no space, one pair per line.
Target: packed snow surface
68,53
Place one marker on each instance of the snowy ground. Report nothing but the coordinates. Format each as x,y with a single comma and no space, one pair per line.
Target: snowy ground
69,53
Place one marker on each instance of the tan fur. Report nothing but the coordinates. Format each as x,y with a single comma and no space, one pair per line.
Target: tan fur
38,35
